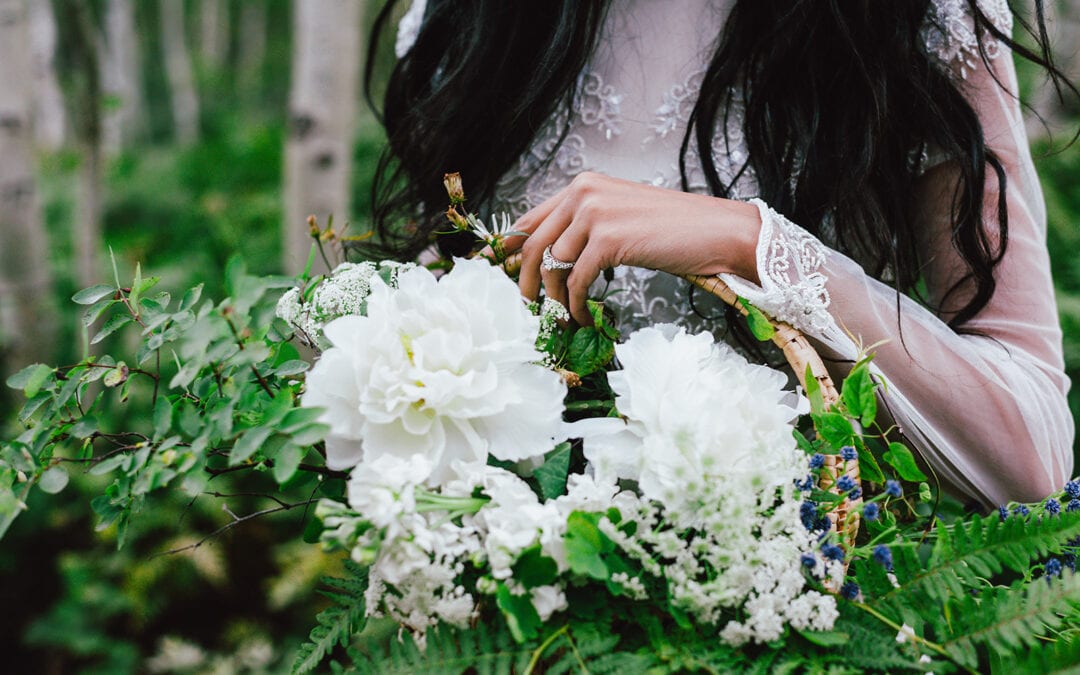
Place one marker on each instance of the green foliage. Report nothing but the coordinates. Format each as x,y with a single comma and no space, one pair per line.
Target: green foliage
489,648
1006,619
968,552
338,623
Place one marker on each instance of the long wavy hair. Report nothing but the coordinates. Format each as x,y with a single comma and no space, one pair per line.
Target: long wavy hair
840,97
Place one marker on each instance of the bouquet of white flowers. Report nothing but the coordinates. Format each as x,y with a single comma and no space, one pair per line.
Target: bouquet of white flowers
522,495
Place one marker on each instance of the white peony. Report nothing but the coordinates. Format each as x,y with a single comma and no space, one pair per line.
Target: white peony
445,369
694,409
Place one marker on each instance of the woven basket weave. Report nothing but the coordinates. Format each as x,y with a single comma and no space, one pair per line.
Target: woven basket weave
803,359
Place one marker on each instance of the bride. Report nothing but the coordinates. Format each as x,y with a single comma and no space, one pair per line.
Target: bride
858,169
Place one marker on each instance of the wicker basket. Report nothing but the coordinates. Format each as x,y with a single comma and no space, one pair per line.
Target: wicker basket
803,359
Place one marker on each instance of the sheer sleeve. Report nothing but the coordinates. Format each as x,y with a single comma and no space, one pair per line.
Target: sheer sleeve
987,409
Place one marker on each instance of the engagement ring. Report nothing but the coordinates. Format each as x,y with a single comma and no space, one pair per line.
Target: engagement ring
551,263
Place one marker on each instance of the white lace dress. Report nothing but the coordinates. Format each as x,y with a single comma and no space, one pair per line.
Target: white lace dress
988,411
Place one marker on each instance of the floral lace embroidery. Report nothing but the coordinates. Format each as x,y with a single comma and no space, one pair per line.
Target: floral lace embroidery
599,105
792,284
949,32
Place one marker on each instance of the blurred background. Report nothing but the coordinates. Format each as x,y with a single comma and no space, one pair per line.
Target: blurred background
178,134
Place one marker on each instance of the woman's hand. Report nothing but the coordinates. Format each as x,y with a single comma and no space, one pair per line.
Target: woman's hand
598,222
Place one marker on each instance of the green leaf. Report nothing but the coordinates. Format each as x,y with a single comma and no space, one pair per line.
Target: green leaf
858,394
551,476
600,321
86,426
834,429
759,323
117,375
292,368
533,568
813,392
53,480
89,296
826,638
190,298
115,322
248,444
286,461
163,411
93,312
30,379
868,465
585,544
521,616
589,351
900,458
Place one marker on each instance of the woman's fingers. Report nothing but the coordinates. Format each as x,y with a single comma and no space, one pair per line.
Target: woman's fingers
586,269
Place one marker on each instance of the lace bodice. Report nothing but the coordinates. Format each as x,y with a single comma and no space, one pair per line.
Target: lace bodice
629,118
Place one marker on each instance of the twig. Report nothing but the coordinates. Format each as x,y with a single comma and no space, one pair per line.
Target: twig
240,343
237,520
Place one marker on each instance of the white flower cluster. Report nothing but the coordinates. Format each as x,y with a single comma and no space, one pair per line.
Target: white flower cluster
344,292
441,375
707,437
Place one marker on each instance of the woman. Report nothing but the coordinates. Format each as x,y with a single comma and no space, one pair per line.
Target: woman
882,147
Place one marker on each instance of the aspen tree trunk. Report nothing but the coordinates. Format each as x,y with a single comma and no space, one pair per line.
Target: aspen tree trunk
86,104
213,34
27,321
252,47
185,100
322,108
49,117
120,77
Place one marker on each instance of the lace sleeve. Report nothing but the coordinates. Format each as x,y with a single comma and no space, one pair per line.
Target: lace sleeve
987,409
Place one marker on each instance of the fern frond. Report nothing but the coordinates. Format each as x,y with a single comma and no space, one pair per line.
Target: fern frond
1059,657
979,548
1007,619
337,623
486,649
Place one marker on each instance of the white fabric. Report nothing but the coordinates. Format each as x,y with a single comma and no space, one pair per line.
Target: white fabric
987,412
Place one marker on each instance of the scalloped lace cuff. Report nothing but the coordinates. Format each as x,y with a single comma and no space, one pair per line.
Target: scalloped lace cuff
789,262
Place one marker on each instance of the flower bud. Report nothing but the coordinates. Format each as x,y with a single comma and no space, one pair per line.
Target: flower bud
313,226
459,221
454,189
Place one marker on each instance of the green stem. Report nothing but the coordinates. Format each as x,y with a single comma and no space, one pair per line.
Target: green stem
915,638
539,651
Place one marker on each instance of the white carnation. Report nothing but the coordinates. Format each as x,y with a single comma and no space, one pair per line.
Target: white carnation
694,409
445,369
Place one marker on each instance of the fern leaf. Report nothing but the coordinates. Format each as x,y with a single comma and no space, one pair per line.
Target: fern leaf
1008,619
337,623
969,550
485,649
1052,658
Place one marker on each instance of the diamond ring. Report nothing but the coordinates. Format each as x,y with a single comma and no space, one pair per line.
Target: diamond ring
551,263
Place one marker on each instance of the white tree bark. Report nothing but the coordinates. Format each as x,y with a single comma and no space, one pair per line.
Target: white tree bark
323,102
213,33
185,100
1046,114
49,116
120,65
26,316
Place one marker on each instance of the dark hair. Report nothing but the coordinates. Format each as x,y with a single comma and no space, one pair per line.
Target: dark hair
844,97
